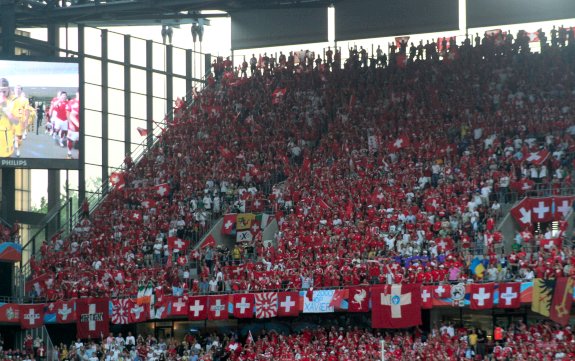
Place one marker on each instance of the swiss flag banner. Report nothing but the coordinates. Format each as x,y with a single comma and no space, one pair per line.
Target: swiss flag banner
139,313
209,241
288,304
65,312
562,207
179,306
522,213
177,243
117,180
399,143
358,300
218,307
442,291
426,297
542,209
92,317
197,308
163,190
396,306
509,295
31,316
536,158
243,305
136,216
229,224
481,296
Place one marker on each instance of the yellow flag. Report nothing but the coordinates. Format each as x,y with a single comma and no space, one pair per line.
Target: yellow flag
244,221
542,295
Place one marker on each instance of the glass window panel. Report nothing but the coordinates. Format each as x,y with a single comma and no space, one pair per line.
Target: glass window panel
159,85
179,88
115,153
116,101
93,97
138,106
115,76
137,139
138,51
116,127
179,61
93,178
138,79
93,41
159,109
92,71
93,124
69,38
115,46
39,190
159,56
93,150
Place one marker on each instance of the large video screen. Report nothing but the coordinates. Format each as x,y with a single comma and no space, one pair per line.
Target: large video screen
39,113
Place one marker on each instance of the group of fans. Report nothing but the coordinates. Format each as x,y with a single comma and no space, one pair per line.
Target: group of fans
18,116
393,174
447,341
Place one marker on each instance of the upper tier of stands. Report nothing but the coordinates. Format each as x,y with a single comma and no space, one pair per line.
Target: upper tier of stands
389,171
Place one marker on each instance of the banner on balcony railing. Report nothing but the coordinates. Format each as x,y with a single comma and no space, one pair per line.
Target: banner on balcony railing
10,252
540,210
480,296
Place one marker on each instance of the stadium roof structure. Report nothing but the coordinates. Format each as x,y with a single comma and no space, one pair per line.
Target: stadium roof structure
36,13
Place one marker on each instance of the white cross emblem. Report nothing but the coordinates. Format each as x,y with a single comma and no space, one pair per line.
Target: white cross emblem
217,308
257,204
533,156
197,307
525,186
396,299
481,296
243,305
425,295
287,304
508,296
380,196
541,209
162,190
115,180
255,228
137,311
564,209
119,277
398,143
179,304
525,215
146,204
136,215
228,224
179,243
439,290
64,311
31,316
92,317
442,245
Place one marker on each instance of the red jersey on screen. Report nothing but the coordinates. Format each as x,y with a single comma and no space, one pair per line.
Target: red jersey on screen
61,109
74,118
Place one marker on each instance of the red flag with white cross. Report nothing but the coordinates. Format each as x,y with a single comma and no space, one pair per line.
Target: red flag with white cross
197,308
243,305
229,224
509,295
65,312
163,190
396,306
179,306
139,313
218,307
481,296
31,316
288,304
426,297
177,243
92,317
441,291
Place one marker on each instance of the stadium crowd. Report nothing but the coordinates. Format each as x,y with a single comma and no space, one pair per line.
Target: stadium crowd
392,173
538,341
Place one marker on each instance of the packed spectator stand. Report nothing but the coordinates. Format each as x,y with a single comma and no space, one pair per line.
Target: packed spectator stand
390,172
447,341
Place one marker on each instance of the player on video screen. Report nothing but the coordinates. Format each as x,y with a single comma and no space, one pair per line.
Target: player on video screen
59,118
73,123
21,112
49,121
7,120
